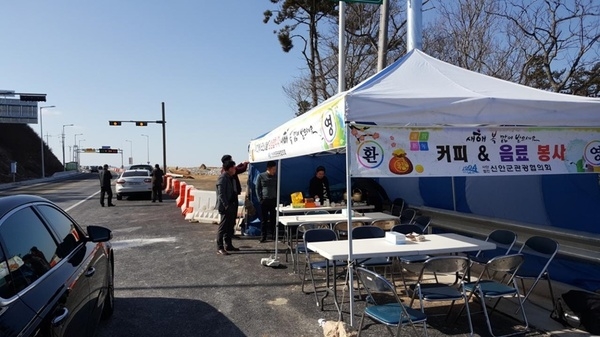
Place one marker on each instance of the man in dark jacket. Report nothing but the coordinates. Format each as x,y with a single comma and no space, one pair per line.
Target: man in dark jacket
227,205
239,169
157,182
105,179
266,187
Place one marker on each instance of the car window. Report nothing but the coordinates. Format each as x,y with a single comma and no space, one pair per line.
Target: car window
136,173
6,284
66,230
29,247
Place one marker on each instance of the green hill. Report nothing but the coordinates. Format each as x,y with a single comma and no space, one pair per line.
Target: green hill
18,142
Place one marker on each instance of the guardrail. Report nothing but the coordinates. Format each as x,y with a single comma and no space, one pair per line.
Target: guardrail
580,245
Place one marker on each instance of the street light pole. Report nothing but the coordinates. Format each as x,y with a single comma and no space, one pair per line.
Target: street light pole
147,147
63,144
75,149
130,151
78,152
42,137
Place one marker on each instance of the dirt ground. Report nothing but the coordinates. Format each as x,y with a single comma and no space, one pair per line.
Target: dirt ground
208,182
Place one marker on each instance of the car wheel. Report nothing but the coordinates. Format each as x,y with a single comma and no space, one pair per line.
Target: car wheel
119,197
109,300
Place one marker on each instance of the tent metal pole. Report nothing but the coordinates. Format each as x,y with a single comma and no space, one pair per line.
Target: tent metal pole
453,194
342,48
349,212
277,213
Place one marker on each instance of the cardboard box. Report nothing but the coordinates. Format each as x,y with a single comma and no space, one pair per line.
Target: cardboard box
395,238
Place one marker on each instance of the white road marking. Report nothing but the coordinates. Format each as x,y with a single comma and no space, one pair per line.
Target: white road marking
81,202
129,243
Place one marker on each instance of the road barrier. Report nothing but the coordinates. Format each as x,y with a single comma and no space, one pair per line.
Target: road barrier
202,207
182,191
168,184
175,190
187,199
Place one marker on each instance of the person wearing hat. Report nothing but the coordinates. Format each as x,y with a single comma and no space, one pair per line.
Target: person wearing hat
105,188
227,205
318,186
239,169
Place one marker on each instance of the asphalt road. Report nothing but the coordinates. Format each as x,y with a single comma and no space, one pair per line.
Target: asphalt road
170,281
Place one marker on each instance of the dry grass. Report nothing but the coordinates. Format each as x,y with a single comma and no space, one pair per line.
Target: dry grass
208,182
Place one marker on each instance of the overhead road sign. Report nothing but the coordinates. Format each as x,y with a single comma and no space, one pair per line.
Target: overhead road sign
108,150
18,112
137,123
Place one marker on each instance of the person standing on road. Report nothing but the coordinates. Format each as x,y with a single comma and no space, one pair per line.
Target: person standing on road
266,188
227,205
157,182
105,188
239,169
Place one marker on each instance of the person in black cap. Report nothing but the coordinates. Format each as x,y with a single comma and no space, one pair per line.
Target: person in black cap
239,169
318,186
227,205
105,188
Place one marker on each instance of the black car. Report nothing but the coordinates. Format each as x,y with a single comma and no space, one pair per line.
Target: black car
56,279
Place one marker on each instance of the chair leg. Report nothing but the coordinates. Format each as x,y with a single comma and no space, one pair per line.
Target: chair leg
304,277
360,325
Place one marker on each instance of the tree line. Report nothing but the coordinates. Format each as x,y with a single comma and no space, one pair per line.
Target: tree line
546,44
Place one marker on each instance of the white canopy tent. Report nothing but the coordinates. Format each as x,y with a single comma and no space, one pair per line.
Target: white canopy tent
419,91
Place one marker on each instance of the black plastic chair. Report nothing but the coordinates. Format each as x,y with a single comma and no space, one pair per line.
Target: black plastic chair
422,220
316,235
408,228
539,251
367,232
504,240
486,288
391,313
397,206
407,215
298,243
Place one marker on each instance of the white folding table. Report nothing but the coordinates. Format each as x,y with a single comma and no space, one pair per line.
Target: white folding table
289,209
292,221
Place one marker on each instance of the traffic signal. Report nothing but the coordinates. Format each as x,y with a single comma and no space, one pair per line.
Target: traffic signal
32,97
114,123
141,123
108,150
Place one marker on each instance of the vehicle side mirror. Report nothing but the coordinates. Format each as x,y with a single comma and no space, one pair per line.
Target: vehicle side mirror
99,233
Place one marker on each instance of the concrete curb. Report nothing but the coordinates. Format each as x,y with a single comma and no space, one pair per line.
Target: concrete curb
55,177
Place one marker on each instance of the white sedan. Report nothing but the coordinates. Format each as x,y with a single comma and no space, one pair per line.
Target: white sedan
134,182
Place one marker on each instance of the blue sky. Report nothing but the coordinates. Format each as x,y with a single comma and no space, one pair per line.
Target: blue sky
216,66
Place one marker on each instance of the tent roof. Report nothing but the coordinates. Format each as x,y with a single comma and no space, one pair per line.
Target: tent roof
421,90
